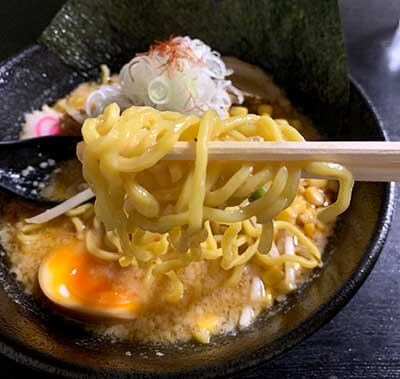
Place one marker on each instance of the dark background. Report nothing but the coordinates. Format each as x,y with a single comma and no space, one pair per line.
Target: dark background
363,341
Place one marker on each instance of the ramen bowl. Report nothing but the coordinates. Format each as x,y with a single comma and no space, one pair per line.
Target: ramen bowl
43,341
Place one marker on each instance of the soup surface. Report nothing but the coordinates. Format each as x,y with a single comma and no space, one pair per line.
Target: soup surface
208,306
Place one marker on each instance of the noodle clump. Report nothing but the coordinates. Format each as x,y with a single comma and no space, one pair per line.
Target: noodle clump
162,215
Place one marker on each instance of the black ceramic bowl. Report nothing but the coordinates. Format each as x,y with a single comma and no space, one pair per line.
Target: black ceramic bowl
41,341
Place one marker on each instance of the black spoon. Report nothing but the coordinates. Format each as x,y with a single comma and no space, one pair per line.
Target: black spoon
26,166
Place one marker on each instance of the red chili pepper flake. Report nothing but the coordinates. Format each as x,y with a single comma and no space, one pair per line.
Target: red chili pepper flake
175,49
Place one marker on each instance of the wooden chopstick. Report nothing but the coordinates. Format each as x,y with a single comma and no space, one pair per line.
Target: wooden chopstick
368,161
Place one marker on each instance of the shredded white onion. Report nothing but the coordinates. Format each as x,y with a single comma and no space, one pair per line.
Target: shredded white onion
105,95
191,84
62,208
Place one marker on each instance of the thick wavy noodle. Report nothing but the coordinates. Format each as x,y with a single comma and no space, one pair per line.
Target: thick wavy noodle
162,215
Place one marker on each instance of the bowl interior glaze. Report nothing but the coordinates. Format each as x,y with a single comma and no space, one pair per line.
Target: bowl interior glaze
48,343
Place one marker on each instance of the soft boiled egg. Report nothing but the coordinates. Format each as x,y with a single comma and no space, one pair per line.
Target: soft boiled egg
72,278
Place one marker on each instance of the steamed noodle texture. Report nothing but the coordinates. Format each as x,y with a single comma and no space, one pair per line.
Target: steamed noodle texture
163,215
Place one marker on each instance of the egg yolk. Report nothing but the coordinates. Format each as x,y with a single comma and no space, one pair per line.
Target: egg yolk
78,276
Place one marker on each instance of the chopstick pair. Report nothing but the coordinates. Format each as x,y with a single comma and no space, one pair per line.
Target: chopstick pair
367,160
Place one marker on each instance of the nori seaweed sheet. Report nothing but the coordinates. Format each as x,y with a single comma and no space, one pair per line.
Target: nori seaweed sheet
299,42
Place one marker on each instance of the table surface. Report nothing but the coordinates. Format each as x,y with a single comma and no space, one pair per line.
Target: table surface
363,340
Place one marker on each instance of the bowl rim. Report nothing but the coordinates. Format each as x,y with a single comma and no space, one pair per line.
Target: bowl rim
20,354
